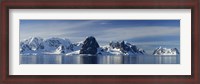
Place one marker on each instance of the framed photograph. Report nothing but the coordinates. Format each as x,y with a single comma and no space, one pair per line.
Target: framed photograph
100,42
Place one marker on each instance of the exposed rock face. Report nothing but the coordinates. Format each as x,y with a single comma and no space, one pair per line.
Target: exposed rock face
126,47
175,49
89,46
61,49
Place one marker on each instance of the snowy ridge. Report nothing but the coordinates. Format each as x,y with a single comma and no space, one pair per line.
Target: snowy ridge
166,51
32,45
48,46
120,48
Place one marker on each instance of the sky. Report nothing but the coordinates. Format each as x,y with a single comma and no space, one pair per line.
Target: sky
146,34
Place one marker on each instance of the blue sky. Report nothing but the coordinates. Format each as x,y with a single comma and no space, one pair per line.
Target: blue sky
147,34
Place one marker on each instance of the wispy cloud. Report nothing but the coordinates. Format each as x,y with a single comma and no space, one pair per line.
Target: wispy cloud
139,32
50,29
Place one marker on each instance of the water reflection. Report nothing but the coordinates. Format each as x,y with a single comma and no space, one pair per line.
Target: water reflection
85,59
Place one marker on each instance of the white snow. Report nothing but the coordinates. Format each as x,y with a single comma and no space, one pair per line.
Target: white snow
165,51
108,50
39,45
73,53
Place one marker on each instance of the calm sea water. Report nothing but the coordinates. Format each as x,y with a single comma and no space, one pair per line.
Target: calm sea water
85,59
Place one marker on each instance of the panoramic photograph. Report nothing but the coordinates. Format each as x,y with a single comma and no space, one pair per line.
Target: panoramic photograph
99,42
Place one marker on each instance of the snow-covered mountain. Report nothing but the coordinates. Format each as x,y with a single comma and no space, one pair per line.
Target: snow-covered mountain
89,46
120,48
57,45
48,46
77,46
32,45
166,51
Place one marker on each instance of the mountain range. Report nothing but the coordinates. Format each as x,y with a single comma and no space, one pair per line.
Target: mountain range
38,45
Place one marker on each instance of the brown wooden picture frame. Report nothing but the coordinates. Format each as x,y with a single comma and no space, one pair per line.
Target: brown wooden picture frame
5,78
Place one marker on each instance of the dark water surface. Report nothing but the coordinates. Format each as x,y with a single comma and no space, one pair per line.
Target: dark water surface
85,59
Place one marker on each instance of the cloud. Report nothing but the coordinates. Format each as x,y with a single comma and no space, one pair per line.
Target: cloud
53,28
129,33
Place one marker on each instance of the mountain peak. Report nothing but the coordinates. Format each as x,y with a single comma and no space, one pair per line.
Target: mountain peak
90,37
37,45
34,39
89,46
166,51
126,47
